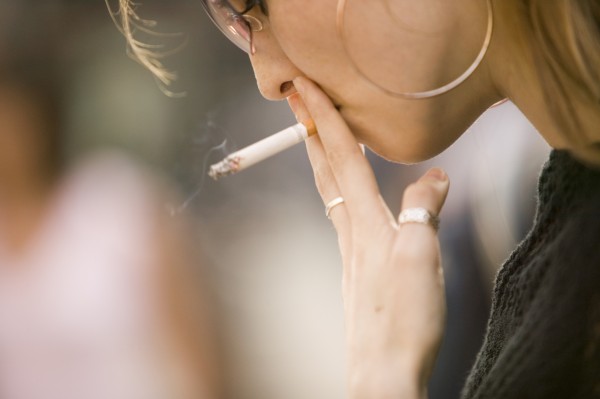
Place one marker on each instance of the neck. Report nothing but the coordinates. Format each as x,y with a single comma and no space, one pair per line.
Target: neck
516,73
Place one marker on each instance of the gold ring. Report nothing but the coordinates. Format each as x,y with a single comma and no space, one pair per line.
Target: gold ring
332,204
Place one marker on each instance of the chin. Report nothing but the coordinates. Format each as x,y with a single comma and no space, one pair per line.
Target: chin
402,156
399,139
397,148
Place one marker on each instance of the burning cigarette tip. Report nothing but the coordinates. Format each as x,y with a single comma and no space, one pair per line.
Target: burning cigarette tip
226,167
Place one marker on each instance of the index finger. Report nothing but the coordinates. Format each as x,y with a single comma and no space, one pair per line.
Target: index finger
350,168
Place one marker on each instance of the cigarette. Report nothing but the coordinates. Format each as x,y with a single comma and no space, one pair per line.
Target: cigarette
263,149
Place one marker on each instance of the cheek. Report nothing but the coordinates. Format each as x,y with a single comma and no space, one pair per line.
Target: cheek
392,128
406,50
399,130
401,46
307,34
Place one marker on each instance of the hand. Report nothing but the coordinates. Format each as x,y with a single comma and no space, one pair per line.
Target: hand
393,287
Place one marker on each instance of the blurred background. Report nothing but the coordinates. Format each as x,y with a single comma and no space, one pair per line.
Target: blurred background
255,255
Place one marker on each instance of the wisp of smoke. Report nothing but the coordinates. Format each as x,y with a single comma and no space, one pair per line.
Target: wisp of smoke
210,140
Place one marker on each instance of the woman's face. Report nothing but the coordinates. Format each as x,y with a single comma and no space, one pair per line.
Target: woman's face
403,45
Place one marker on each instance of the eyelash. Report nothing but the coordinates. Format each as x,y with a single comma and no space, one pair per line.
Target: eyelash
250,4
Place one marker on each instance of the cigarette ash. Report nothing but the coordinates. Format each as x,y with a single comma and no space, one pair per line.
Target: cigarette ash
226,167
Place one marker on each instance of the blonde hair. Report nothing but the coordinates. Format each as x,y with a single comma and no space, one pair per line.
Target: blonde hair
567,45
129,23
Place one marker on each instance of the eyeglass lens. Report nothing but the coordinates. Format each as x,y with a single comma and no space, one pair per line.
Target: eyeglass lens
231,23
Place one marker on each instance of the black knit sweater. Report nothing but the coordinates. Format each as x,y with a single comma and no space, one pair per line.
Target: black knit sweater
543,335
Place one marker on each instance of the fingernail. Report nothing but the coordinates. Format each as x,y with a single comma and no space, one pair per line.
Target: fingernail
298,107
437,174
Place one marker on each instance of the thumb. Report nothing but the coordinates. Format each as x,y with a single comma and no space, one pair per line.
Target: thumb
428,192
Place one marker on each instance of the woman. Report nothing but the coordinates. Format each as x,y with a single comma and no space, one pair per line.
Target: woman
406,79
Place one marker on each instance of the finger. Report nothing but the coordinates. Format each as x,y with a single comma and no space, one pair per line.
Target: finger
428,192
298,108
328,189
418,242
324,179
349,166
326,184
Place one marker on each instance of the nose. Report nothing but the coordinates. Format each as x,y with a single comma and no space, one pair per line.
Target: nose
273,70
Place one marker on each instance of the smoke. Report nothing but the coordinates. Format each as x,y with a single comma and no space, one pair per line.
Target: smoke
207,143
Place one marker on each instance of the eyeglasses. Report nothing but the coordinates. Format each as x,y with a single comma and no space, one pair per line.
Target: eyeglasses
233,21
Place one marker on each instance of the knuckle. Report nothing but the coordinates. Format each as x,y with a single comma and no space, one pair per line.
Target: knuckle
408,255
323,178
336,158
417,248
418,191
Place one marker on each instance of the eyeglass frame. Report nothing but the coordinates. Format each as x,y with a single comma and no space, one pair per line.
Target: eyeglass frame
242,38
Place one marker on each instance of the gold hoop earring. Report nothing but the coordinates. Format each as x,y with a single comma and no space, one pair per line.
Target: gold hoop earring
499,103
341,11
